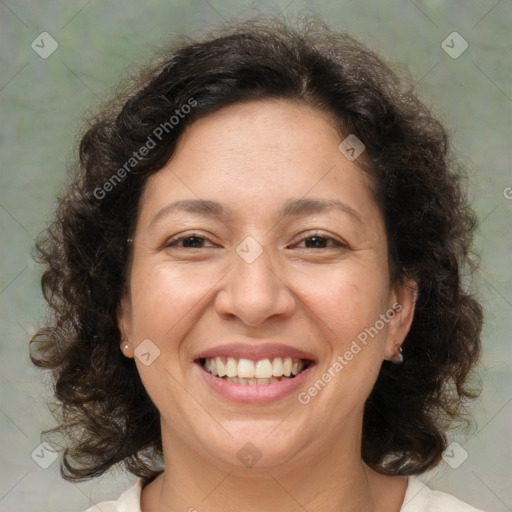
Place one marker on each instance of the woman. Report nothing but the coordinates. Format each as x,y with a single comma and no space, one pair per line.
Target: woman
256,283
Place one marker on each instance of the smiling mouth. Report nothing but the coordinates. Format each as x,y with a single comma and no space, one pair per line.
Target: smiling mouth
252,373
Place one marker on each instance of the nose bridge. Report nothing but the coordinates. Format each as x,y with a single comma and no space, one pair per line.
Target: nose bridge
254,290
256,272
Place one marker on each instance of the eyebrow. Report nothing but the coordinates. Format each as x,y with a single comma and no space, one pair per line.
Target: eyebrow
196,206
291,208
309,206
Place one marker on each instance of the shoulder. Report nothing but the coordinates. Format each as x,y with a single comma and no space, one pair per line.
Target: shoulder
129,501
419,498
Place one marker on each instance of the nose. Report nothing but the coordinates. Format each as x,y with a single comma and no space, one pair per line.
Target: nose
255,292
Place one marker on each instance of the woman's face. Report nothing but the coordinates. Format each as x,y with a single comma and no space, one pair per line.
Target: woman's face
260,251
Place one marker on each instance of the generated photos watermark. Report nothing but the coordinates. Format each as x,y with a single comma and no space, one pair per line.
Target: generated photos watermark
454,45
146,352
44,455
341,361
137,156
249,454
44,45
455,455
351,147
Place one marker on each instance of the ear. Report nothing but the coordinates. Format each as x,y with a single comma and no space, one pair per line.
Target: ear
124,324
403,302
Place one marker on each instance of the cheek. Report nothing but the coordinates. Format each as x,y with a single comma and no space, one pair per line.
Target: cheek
346,300
168,301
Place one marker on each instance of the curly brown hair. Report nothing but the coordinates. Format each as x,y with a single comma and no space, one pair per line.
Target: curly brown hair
104,411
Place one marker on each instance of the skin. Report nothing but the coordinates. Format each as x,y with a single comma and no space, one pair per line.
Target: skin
251,158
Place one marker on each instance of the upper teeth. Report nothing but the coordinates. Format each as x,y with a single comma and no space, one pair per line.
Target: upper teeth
249,369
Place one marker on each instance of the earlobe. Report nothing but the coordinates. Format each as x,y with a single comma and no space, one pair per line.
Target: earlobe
125,347
397,356
405,297
124,325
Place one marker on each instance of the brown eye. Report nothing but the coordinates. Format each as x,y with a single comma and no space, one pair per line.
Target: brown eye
192,241
319,242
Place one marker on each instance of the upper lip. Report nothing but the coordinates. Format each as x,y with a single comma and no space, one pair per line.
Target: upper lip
255,352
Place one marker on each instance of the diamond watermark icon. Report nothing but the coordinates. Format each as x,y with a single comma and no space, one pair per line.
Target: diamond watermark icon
455,455
44,455
454,45
249,455
351,147
44,45
249,249
146,352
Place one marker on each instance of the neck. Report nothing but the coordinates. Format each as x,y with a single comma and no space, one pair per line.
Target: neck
334,480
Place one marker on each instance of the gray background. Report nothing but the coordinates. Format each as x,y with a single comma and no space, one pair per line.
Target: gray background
42,105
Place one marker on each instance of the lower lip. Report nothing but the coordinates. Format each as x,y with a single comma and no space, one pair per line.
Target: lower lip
255,394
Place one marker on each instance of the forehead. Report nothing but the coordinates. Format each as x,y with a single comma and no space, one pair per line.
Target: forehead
265,125
260,154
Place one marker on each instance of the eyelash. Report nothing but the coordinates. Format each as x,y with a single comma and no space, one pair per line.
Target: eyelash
336,243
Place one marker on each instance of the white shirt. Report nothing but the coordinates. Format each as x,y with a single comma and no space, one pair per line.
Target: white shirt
418,498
